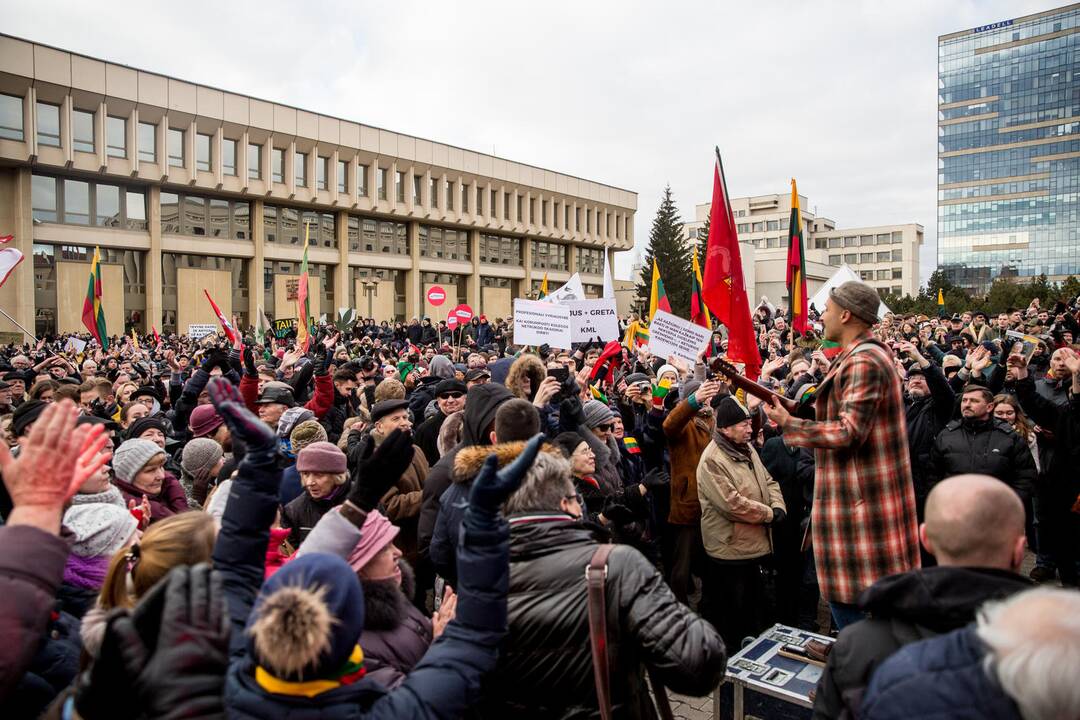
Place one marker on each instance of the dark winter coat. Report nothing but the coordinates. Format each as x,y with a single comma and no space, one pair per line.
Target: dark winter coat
443,684
944,677
301,515
1062,481
903,609
485,334
172,500
414,333
426,436
31,570
545,669
396,634
990,447
926,418
333,421
422,396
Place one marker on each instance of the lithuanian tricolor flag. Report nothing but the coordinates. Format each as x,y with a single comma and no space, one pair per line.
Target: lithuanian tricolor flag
303,307
699,314
636,334
658,298
631,445
796,266
597,395
830,349
93,314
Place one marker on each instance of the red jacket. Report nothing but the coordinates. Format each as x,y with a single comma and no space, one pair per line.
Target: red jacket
320,403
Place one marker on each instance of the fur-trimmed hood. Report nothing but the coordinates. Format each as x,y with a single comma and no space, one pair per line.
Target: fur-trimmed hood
469,460
530,366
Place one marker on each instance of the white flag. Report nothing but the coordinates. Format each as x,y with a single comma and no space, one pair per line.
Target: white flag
9,260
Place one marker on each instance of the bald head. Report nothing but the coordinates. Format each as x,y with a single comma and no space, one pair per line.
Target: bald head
975,521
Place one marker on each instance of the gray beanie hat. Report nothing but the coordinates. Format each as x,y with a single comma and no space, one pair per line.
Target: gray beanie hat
132,456
100,528
596,413
200,456
291,418
858,298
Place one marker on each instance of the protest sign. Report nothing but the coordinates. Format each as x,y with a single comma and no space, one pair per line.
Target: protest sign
436,295
541,323
74,345
451,321
283,326
572,290
590,319
200,330
464,313
670,335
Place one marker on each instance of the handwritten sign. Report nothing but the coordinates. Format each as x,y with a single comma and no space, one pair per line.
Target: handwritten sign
670,335
590,319
200,330
541,323
283,326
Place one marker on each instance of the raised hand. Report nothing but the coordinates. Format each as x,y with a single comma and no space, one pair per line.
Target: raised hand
492,486
706,392
242,423
380,469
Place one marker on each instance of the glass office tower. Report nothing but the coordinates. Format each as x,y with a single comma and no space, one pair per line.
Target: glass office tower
1009,149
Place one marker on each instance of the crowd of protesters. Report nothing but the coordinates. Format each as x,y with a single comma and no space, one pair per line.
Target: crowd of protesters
394,521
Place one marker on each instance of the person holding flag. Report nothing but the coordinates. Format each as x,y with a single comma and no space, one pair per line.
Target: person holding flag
303,307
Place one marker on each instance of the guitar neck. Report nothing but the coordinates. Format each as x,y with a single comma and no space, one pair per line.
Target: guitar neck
750,387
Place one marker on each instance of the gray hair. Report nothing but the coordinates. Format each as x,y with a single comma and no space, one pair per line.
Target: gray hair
545,485
1033,641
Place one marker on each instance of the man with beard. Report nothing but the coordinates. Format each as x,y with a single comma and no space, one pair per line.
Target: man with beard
928,406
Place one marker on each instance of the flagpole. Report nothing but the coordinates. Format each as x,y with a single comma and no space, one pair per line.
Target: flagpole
16,324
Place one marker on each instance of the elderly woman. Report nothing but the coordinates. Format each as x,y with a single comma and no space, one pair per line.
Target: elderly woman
323,474
139,466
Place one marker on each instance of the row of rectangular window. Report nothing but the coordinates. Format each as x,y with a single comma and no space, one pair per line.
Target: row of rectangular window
78,202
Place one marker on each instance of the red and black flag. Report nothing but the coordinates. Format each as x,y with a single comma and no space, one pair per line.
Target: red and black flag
796,267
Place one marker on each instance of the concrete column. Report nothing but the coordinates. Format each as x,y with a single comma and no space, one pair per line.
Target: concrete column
342,275
154,288
17,295
414,304
571,258
99,135
472,285
255,265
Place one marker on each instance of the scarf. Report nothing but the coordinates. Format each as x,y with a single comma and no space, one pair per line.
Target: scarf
351,673
742,451
111,496
86,572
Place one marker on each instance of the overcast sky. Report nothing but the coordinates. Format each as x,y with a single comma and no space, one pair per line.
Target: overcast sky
840,95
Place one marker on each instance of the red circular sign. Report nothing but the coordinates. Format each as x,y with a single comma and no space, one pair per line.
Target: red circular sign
451,321
436,295
464,313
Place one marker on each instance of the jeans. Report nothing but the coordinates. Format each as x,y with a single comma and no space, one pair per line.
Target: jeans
845,614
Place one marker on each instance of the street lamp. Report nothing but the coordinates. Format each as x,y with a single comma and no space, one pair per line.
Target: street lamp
371,288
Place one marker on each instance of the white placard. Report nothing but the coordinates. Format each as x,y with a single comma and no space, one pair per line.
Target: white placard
74,345
592,318
541,323
572,290
199,330
670,335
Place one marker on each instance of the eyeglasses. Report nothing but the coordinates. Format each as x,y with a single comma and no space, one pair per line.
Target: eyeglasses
451,395
576,497
606,427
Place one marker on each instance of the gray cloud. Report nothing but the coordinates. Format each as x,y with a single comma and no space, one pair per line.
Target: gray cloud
840,95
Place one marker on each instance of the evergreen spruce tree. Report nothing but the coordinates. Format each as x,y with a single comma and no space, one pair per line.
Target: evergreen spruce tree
672,258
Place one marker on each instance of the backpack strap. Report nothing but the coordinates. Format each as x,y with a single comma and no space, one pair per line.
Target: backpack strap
595,577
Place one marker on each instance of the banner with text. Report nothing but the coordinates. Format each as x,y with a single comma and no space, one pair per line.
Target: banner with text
541,323
670,335
196,331
592,318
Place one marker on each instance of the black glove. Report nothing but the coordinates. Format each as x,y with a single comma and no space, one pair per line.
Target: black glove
249,362
379,469
570,409
657,478
216,358
618,514
167,658
320,359
778,515
492,486
257,437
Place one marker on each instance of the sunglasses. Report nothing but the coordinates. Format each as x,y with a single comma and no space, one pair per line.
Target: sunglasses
451,395
606,427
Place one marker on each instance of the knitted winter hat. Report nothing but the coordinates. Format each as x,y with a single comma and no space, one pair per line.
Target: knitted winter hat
321,457
132,456
596,413
137,428
730,412
204,420
307,619
291,418
200,456
568,442
667,369
306,433
377,533
100,528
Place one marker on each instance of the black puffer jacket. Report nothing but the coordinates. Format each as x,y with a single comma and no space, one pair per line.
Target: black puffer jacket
926,418
903,608
990,447
304,512
545,667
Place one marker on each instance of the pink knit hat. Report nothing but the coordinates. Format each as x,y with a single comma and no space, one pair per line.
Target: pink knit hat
376,534
321,457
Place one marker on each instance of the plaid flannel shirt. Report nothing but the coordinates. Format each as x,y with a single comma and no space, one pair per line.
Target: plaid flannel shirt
863,520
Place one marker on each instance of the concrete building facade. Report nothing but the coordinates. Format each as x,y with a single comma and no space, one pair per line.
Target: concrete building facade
186,187
885,257
1009,149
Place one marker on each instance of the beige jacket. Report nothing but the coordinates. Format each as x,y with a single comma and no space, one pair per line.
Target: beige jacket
737,497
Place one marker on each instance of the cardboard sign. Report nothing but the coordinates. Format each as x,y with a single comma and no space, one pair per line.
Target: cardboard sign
592,318
537,322
283,326
670,335
200,330
74,345
436,295
572,290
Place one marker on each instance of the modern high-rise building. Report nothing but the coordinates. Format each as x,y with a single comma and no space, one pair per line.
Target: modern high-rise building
1009,149
886,257
186,187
